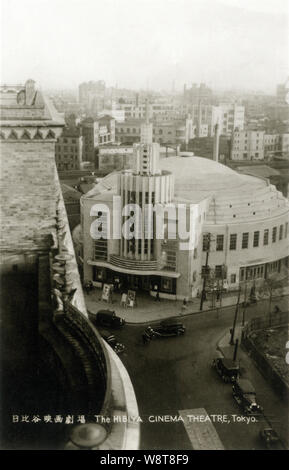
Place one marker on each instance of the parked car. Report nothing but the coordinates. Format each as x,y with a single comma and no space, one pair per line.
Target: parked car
112,341
107,318
228,369
245,395
165,329
271,439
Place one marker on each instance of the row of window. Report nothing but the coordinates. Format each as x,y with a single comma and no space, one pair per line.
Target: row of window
280,234
248,273
66,141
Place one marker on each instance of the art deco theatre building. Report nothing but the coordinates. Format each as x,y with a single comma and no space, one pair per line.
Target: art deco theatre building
245,217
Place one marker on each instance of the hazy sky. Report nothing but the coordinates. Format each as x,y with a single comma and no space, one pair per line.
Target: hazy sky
136,43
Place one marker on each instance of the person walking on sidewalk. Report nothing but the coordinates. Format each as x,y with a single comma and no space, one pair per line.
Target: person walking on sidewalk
158,297
185,304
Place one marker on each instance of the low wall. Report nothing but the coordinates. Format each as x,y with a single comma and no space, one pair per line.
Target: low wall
266,321
262,363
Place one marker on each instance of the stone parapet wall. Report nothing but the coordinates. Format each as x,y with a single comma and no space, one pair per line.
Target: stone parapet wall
28,195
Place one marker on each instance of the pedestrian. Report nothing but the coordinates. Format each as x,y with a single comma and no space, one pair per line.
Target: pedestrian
158,297
145,338
123,301
87,287
184,306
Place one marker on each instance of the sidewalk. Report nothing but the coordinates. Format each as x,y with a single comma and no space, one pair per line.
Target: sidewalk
275,409
224,345
148,309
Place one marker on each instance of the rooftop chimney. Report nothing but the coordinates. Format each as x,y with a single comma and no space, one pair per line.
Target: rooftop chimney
216,143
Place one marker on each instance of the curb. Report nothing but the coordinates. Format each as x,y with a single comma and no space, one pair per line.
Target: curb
218,347
182,315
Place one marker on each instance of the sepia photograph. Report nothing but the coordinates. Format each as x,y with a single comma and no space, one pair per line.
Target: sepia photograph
144,149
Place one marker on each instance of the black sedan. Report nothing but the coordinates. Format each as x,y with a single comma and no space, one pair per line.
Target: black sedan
164,330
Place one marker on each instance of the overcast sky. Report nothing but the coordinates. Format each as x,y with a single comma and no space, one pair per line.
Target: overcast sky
140,43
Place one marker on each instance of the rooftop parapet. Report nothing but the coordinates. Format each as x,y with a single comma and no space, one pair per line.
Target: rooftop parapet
26,103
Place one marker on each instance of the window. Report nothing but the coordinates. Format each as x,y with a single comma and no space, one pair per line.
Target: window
205,271
233,241
169,256
167,284
256,239
245,240
274,234
242,274
233,278
280,232
266,237
286,230
220,243
219,272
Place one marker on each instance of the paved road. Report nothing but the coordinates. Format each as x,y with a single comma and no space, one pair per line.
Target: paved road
174,374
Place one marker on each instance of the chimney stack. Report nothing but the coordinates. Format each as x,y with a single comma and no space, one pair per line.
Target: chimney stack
216,143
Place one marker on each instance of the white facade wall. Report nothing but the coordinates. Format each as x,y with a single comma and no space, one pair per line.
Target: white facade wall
247,145
251,256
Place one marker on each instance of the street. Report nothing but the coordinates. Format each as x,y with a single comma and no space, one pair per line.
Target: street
174,374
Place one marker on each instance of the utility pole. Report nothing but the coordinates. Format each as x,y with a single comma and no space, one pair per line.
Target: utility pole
222,284
236,349
235,318
207,246
270,303
244,304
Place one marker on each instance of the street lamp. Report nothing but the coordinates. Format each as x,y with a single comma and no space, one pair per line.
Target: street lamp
235,318
206,246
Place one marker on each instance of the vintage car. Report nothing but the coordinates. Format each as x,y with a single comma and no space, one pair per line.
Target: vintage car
228,369
165,329
112,341
245,395
106,318
271,439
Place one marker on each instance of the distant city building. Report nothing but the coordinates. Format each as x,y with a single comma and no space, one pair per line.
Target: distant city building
106,130
96,132
92,95
196,93
117,114
204,146
278,112
282,92
174,132
233,117
68,149
284,144
115,157
247,145
258,145
229,116
163,110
